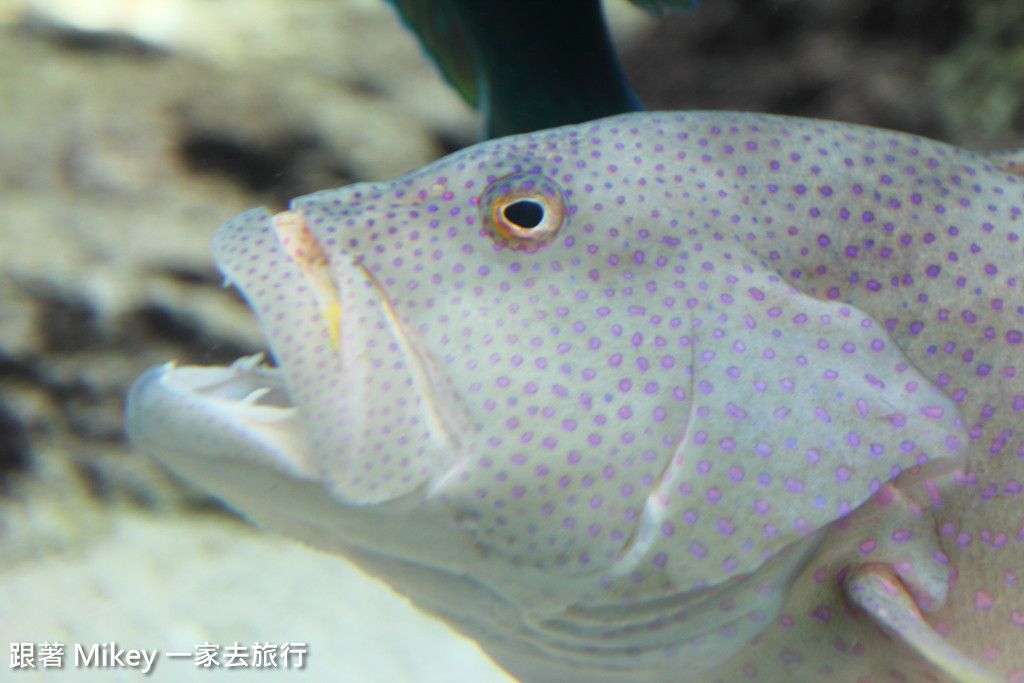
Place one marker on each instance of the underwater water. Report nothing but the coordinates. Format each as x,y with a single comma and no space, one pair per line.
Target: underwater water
130,130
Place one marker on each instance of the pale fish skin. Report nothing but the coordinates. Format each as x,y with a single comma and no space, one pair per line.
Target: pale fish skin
646,424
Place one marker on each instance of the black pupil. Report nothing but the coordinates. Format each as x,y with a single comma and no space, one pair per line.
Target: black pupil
524,213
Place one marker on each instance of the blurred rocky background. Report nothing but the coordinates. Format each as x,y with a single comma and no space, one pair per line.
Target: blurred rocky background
129,129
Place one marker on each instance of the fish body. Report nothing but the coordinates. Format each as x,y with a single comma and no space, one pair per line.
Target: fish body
527,64
693,396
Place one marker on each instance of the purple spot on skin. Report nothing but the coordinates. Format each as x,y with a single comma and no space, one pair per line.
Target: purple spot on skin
735,411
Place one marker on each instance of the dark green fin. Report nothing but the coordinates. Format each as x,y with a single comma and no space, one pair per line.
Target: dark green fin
527,64
444,39
660,7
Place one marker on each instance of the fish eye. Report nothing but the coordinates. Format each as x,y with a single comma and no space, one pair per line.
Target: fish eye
522,210
524,213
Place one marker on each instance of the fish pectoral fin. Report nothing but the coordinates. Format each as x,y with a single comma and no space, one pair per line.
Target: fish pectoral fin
878,590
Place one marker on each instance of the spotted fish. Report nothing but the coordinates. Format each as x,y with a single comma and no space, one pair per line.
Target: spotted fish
661,397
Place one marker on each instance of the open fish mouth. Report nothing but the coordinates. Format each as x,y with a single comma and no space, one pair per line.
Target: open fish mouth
351,403
240,411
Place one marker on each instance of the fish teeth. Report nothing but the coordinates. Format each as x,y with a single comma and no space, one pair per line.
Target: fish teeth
249,363
253,397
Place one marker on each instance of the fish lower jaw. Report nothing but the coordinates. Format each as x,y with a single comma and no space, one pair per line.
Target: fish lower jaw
237,412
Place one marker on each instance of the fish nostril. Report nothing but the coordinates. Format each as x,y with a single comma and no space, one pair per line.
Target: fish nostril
524,213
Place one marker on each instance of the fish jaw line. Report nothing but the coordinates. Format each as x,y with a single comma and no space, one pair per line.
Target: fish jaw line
353,373
443,433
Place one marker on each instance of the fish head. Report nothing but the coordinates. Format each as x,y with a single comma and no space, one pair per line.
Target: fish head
570,357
